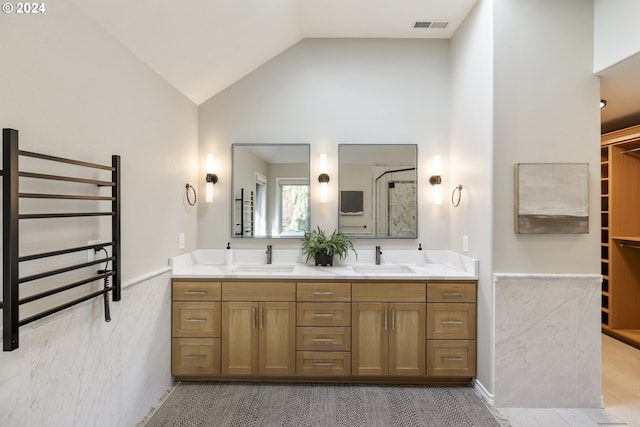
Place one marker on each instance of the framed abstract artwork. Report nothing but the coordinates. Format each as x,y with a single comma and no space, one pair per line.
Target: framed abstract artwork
552,198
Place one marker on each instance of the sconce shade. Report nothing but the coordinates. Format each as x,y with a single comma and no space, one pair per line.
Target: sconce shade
323,179
437,194
211,178
324,192
436,180
323,163
208,192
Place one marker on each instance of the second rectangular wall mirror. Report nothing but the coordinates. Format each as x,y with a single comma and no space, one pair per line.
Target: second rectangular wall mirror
377,186
270,190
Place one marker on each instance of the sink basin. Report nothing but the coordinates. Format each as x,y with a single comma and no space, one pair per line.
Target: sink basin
264,268
383,269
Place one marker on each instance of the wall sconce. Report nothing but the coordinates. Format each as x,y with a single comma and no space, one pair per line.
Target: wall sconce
211,179
323,179
436,180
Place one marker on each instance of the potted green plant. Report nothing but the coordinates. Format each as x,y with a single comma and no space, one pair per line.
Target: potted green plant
321,248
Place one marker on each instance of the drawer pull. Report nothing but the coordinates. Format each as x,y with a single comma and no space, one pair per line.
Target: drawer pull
323,340
195,356
323,314
196,320
452,359
451,294
323,364
452,322
195,292
323,293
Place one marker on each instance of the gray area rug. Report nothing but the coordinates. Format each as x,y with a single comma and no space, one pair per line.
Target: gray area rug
300,405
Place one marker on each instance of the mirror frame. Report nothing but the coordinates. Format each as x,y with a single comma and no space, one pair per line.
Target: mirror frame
374,235
234,200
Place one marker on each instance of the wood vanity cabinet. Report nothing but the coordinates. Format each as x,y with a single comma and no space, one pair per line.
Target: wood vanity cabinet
351,331
258,328
388,322
451,329
195,328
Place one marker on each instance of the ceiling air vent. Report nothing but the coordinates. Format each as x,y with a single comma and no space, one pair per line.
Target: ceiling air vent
430,24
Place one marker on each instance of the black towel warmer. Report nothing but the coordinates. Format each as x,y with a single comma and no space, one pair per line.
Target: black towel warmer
11,300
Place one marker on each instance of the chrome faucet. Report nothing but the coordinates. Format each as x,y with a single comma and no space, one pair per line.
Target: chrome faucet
378,253
269,253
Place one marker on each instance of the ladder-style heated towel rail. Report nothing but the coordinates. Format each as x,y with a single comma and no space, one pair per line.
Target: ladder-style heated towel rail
11,216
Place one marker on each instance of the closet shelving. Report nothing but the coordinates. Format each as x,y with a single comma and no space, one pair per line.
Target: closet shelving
604,234
620,176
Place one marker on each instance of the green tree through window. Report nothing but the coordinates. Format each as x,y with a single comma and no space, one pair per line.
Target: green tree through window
295,208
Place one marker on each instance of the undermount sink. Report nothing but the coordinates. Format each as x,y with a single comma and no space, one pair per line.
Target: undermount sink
384,269
264,268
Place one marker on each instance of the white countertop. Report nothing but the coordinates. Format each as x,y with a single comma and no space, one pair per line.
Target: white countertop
288,264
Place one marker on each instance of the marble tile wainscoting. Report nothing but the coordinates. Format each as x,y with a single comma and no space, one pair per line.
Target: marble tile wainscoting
74,369
547,341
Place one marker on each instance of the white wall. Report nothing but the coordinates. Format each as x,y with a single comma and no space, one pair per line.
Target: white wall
546,110
326,92
616,36
471,163
72,91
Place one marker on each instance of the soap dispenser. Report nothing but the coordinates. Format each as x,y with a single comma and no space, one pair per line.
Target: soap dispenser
420,256
228,255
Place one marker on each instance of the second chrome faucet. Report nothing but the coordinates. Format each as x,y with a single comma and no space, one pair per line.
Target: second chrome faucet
378,253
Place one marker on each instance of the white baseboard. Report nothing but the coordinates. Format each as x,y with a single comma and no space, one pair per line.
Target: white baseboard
483,392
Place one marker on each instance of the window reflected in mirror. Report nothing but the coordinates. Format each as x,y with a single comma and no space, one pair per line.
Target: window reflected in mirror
270,190
378,195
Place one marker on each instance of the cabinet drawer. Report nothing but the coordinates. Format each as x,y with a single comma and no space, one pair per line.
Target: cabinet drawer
196,291
324,314
319,292
451,292
323,339
388,292
451,321
195,319
451,358
323,364
258,291
195,356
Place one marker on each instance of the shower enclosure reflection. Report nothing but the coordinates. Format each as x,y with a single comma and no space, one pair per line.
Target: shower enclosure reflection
378,196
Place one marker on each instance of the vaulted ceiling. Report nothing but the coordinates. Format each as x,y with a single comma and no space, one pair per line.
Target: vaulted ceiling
203,46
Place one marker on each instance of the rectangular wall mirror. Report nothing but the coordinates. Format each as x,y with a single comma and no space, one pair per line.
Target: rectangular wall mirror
270,190
378,196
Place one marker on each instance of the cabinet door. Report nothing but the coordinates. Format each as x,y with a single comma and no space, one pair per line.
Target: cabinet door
370,339
406,339
277,323
239,338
